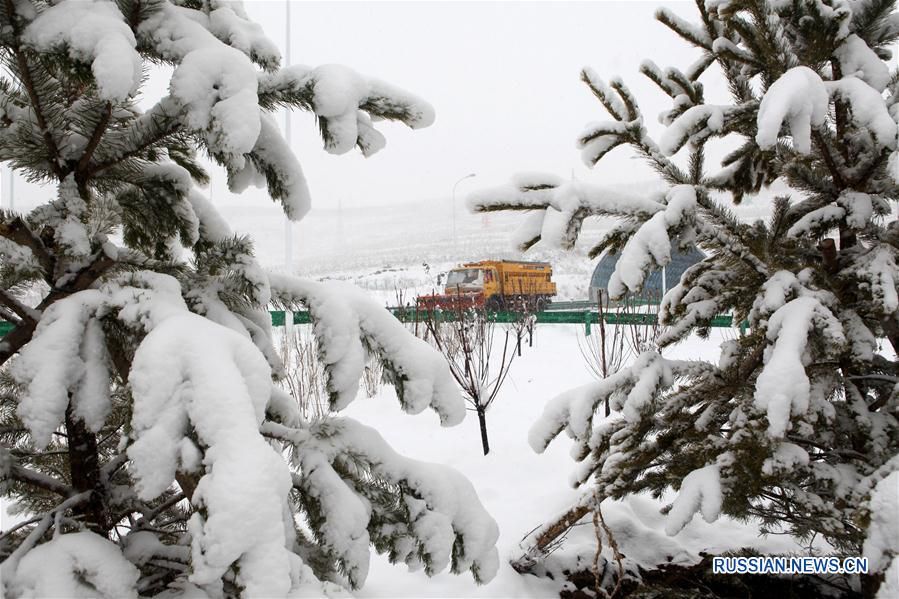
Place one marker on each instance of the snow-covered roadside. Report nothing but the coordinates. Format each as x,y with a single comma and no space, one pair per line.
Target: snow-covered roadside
521,489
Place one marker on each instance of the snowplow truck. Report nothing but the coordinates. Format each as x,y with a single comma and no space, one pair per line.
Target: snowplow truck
495,285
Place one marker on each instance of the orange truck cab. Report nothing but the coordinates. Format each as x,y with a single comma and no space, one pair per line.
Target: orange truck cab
496,285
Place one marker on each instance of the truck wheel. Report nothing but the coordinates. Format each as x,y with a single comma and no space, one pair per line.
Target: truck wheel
494,304
541,304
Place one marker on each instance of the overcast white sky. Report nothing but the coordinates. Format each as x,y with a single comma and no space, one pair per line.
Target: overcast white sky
503,77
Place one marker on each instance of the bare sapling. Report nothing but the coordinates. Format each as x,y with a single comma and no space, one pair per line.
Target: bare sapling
479,356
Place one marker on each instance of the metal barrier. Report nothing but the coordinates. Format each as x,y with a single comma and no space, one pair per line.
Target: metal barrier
583,317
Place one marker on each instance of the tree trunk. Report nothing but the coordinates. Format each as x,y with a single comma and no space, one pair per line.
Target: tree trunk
84,467
870,584
538,549
482,420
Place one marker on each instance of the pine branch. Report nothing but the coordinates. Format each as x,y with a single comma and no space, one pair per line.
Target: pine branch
146,131
8,316
30,477
18,232
22,311
96,136
824,148
78,281
24,73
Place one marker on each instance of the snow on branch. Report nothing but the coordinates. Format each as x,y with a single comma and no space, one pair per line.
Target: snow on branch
598,139
348,324
337,95
563,206
690,32
882,545
857,59
345,463
868,109
695,125
272,163
195,382
700,491
228,21
94,33
701,295
59,360
630,393
783,387
604,94
80,564
799,98
215,84
650,246
877,276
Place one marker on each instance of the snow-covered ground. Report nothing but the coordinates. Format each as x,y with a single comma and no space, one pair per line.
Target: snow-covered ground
522,489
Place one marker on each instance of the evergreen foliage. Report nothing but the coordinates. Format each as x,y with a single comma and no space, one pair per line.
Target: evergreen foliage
145,438
796,425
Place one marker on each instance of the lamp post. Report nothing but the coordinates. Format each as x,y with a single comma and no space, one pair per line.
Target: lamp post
454,204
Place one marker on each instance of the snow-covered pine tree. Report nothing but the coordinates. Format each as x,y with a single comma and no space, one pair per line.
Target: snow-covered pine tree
797,423
143,436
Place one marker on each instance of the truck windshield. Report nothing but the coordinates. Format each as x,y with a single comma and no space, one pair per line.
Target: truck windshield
465,276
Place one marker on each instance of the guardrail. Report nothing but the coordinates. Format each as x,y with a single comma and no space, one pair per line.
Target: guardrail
557,316
584,317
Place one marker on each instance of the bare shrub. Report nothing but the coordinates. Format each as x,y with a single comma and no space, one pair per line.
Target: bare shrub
304,372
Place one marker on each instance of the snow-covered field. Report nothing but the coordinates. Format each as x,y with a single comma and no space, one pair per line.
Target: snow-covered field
522,489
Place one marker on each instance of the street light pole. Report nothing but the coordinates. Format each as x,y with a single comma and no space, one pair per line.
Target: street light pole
454,204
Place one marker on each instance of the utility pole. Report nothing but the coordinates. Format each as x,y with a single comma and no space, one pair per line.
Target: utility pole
288,224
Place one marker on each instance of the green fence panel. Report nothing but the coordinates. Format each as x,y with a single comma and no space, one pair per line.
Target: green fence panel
584,317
